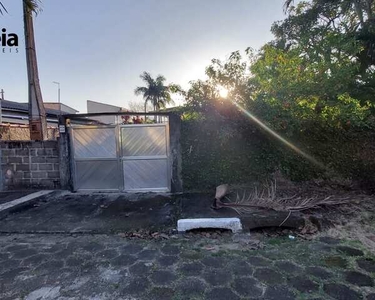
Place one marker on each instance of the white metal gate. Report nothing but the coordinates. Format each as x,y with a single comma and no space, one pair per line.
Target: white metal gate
121,157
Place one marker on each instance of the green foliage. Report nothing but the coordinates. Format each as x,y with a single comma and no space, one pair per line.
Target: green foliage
32,6
218,151
155,91
314,84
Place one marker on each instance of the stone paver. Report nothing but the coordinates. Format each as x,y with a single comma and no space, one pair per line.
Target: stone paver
269,276
191,269
358,278
217,277
288,267
247,287
341,292
279,293
163,277
191,287
184,267
222,294
304,284
318,272
349,251
367,264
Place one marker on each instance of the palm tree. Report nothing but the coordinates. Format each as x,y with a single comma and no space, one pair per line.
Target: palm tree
2,9
37,113
155,91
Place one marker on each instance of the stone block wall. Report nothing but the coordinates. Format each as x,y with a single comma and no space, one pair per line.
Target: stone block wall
29,165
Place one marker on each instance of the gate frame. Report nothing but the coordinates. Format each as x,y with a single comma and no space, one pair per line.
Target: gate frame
120,158
66,150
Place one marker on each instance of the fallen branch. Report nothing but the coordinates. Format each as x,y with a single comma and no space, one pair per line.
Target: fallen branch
266,199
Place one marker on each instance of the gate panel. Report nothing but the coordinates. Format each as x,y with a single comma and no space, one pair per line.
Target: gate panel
144,141
98,175
145,174
94,143
96,160
144,158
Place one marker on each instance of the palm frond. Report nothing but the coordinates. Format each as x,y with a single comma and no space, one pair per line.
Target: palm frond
266,198
146,77
160,79
140,90
2,9
287,5
155,90
33,6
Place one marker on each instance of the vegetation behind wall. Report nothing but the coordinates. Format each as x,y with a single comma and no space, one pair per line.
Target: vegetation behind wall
238,151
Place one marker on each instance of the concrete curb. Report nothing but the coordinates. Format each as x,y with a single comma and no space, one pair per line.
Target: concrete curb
6,207
233,224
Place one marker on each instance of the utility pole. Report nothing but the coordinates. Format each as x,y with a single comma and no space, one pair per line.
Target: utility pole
58,94
1,108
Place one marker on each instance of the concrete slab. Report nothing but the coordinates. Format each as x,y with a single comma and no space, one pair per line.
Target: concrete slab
93,213
233,224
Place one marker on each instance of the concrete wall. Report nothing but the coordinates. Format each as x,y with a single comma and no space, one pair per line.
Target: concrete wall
175,146
29,165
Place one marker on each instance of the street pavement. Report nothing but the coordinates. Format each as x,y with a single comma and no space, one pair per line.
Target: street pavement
191,266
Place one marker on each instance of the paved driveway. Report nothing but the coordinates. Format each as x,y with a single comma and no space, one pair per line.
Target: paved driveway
61,212
192,267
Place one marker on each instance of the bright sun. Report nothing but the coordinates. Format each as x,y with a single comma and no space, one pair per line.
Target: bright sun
223,92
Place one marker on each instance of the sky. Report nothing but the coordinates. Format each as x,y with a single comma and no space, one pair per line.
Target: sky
97,49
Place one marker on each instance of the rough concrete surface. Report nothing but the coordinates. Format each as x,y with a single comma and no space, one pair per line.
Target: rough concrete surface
119,212
94,212
9,205
12,195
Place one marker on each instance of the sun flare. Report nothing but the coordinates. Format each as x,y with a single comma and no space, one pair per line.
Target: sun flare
223,92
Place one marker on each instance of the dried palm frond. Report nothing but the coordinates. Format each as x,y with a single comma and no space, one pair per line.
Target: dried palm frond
266,198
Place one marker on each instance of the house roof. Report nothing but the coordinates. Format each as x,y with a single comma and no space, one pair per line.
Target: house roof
62,104
24,107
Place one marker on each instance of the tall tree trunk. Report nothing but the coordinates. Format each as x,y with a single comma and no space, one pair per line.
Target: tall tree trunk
37,113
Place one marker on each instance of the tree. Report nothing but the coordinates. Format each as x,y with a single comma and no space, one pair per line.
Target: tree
155,91
136,106
37,114
339,35
2,9
316,70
